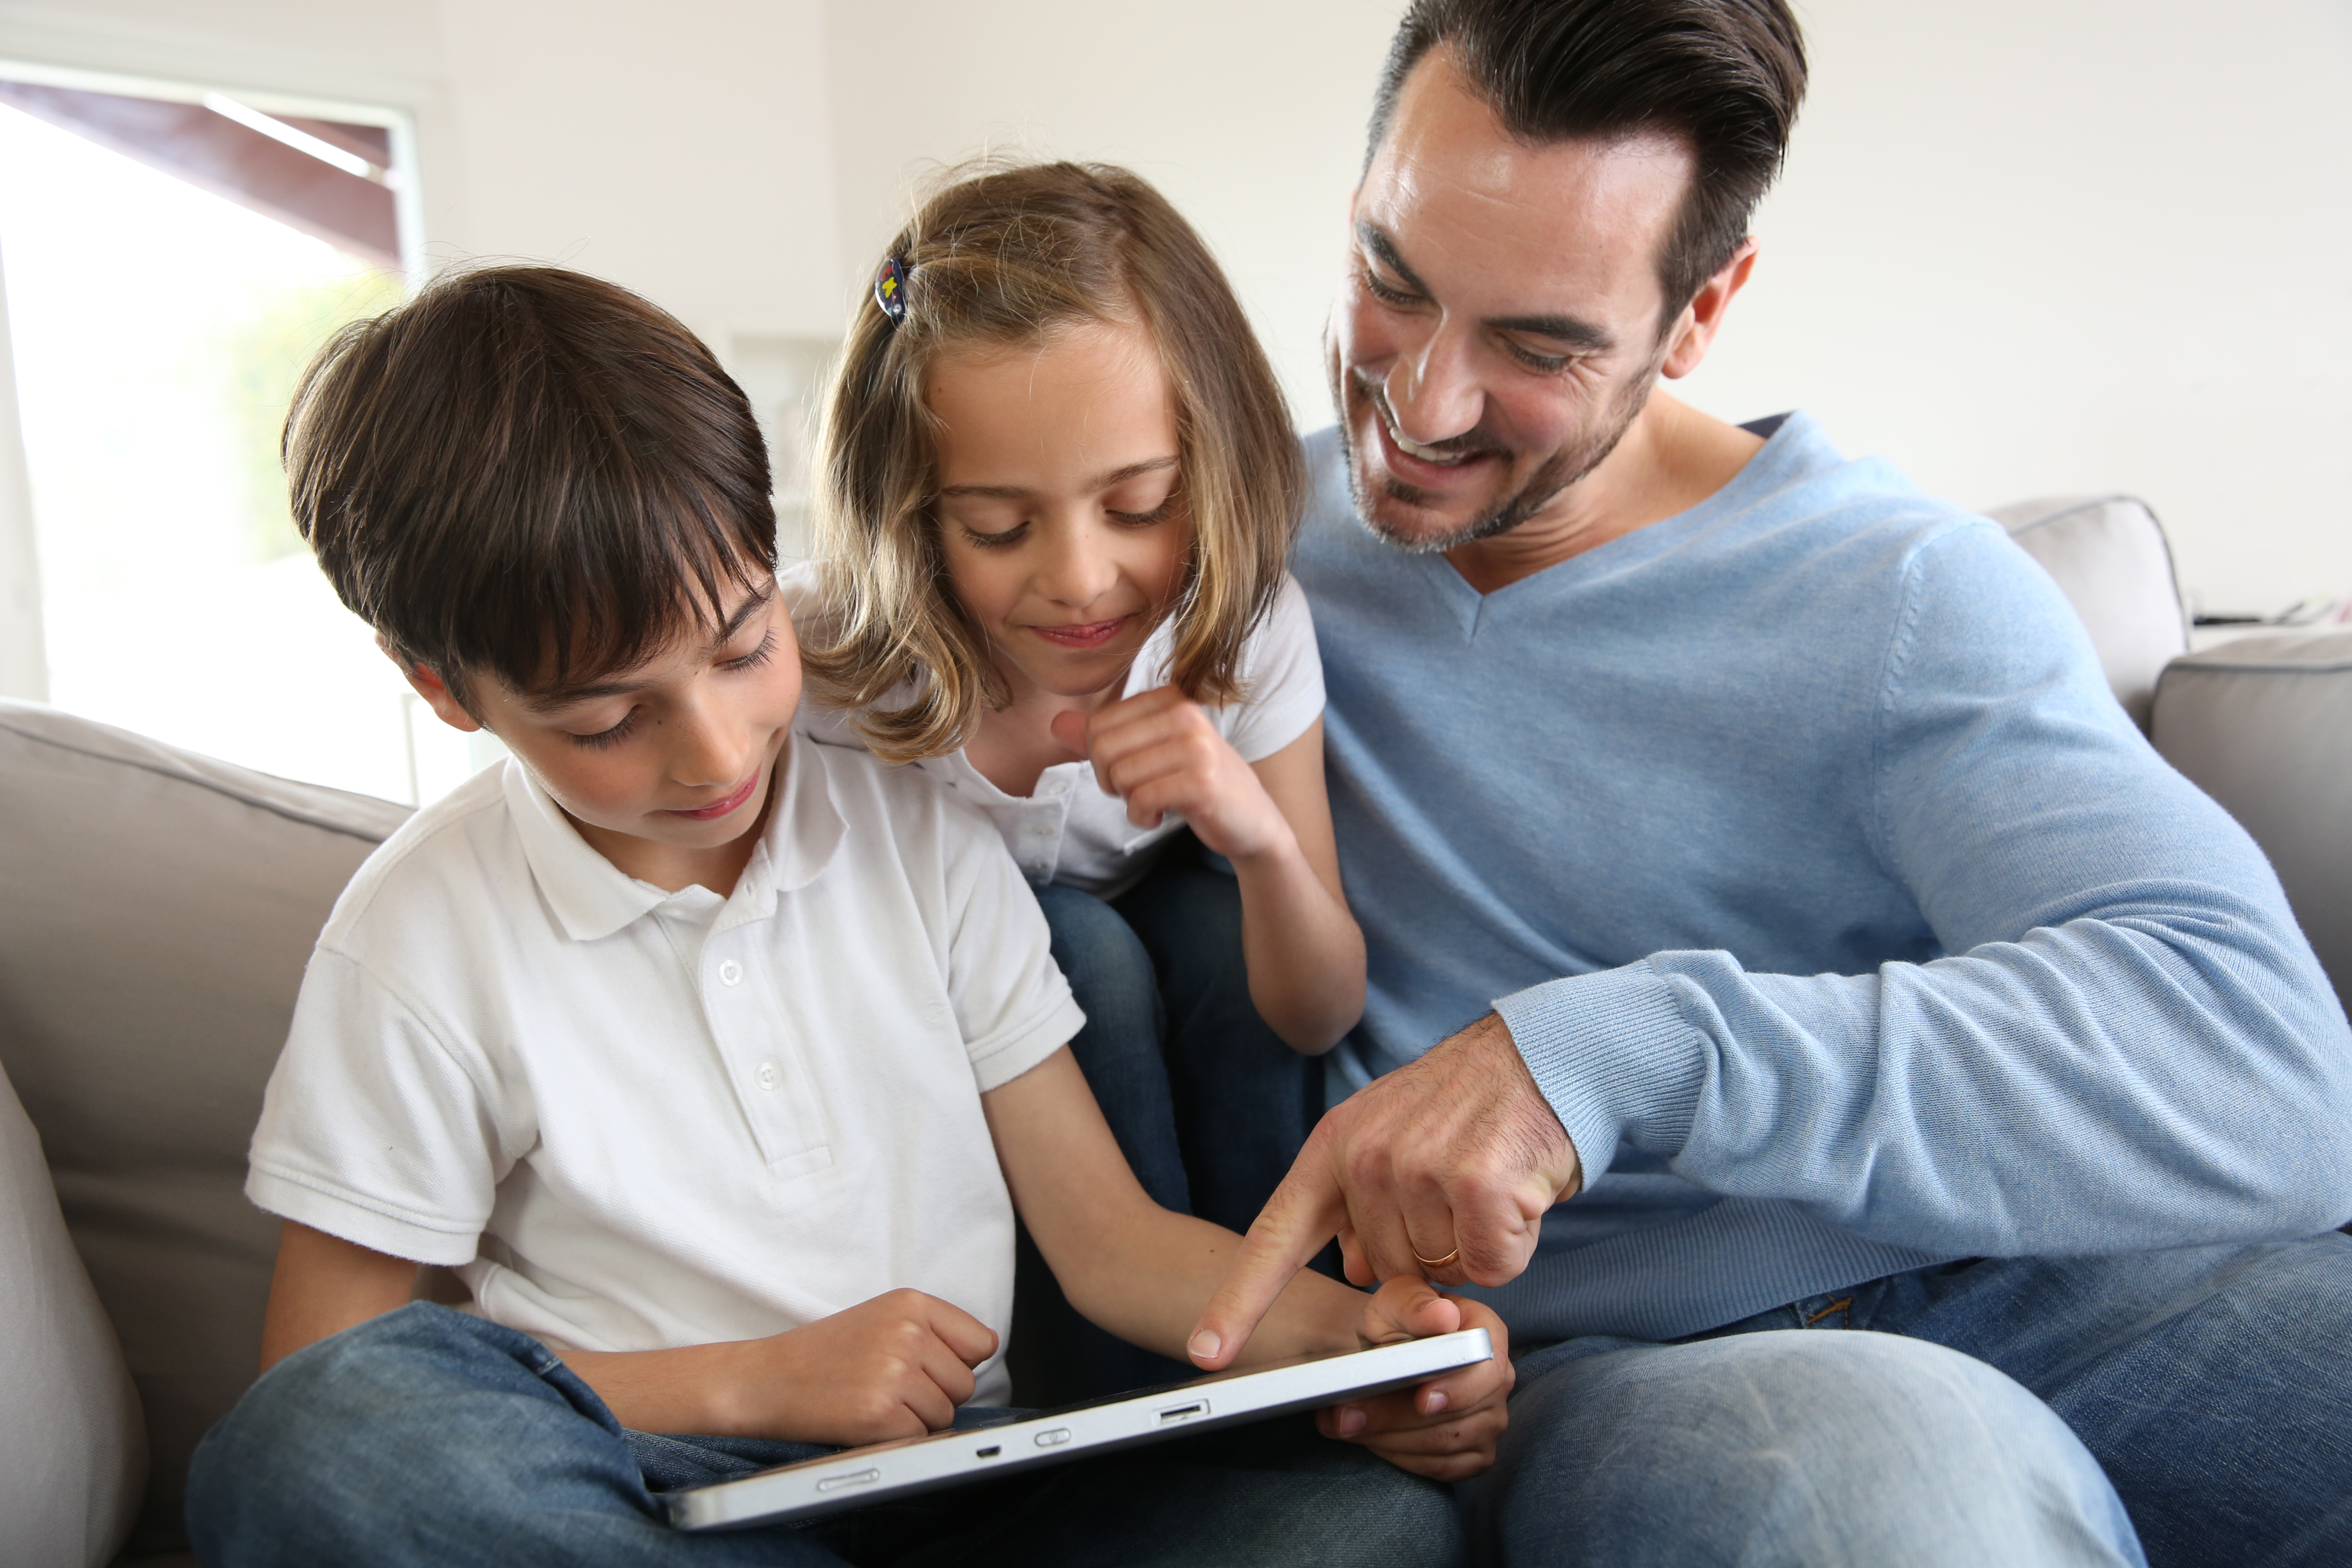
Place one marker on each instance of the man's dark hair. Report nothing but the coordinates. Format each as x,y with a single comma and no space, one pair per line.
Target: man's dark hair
529,472
1725,77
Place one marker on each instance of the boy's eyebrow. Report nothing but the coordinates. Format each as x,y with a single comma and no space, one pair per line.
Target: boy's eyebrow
547,701
1568,330
1100,482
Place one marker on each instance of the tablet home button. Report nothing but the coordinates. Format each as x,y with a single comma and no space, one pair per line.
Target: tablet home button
834,1483
1053,1438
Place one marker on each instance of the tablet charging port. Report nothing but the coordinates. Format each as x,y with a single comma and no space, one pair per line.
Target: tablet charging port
1175,1412
992,1451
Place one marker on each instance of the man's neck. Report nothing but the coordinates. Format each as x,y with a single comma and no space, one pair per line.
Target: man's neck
1672,458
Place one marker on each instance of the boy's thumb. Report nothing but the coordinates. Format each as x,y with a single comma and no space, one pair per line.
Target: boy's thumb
1070,728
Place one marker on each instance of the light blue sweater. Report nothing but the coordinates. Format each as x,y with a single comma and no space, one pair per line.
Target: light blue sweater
1885,936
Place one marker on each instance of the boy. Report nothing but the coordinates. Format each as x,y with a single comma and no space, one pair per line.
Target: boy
707,1060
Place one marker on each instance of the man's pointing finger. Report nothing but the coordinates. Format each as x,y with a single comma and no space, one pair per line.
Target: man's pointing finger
1304,1213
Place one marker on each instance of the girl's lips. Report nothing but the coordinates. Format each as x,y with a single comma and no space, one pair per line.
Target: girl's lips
1094,634
721,807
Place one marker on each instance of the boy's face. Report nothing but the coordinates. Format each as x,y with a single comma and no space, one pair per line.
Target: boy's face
667,768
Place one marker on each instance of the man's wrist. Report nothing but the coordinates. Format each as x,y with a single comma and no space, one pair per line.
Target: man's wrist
1610,1052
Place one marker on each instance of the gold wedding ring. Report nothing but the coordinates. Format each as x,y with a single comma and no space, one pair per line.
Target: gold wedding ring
1437,1262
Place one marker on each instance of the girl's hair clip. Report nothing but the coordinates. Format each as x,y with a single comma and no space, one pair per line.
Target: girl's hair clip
890,290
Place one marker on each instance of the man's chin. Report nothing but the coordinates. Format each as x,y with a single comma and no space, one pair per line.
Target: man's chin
1415,521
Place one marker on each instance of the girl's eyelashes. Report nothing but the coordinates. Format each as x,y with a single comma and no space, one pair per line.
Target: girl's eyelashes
1159,513
997,541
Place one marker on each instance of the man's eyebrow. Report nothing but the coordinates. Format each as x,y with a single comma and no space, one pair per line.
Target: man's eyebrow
1571,330
1099,482
1373,238
619,685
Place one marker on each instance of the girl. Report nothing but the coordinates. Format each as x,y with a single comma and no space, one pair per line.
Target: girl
1060,486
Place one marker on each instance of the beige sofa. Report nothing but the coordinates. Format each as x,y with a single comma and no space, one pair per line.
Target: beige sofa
156,909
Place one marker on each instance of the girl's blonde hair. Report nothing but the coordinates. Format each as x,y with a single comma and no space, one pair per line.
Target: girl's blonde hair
1002,258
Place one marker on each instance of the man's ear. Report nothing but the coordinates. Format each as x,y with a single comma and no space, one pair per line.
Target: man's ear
433,688
1703,317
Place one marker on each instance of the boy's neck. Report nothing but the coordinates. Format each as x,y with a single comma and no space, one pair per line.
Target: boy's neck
673,868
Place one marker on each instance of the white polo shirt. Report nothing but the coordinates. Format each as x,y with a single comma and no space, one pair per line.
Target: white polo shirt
1068,829
635,1119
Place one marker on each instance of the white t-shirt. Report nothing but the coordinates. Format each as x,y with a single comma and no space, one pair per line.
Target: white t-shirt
635,1119
1068,829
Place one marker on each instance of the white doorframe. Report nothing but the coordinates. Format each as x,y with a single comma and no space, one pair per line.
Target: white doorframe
24,653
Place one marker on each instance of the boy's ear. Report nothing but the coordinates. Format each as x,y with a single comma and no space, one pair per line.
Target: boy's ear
433,688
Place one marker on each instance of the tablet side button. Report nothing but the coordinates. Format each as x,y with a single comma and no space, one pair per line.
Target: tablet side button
1052,1438
859,1478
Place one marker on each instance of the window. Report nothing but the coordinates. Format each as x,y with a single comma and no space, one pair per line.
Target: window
172,257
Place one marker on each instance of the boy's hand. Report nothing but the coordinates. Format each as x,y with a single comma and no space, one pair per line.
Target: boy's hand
1446,1428
896,1366
1159,751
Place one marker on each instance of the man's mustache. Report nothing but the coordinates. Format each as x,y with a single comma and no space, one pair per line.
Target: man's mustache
1470,443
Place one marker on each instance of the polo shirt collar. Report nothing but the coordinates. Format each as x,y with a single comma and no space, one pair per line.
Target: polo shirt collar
591,898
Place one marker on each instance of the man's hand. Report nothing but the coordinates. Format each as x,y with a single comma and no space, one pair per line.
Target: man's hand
1441,1170
1446,1428
1159,751
896,1366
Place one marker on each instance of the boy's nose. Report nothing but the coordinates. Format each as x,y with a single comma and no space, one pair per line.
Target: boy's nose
711,751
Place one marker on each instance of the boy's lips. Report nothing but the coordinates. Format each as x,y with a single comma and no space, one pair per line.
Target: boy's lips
718,808
1093,633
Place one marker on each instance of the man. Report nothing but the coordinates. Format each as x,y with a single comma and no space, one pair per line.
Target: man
1853,963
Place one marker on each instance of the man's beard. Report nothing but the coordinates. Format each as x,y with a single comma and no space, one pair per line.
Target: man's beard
1587,451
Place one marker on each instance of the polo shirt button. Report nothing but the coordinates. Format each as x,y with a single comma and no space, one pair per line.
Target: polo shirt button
731,973
766,1075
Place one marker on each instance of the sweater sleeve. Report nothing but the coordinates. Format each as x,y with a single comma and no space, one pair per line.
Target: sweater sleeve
2129,1043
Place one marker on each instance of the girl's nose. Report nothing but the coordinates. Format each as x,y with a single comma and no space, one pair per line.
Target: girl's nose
1076,569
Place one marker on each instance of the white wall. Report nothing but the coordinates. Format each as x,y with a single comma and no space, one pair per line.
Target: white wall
2026,246
2022,247
692,164
1248,113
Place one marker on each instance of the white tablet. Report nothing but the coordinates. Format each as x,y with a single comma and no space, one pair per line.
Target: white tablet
855,1476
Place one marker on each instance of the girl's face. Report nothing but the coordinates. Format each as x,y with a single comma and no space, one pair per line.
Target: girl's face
1059,509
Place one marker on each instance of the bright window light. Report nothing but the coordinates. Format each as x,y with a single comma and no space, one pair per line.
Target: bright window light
158,333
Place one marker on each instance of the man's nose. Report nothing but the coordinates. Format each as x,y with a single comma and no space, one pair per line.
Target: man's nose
1432,389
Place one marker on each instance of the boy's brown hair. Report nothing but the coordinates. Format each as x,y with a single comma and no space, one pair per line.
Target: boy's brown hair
1004,257
530,472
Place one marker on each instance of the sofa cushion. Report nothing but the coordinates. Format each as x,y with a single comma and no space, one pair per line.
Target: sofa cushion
156,909
70,1479
2264,726
2110,558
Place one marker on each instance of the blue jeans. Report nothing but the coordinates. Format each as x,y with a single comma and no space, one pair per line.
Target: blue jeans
1207,1103
2193,1403
432,1439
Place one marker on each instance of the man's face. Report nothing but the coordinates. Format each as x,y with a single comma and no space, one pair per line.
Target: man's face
1499,328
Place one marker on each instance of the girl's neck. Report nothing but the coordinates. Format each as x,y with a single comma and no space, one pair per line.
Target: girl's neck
1014,746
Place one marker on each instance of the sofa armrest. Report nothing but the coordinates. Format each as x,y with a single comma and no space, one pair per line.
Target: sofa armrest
2264,726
